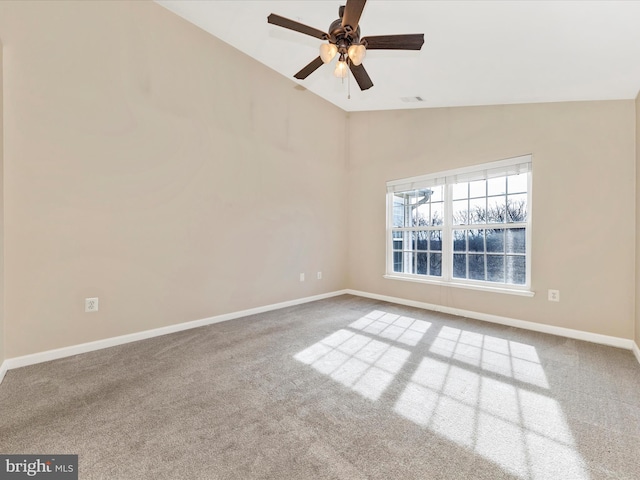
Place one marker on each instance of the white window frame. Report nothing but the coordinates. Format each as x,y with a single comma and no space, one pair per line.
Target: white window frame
448,178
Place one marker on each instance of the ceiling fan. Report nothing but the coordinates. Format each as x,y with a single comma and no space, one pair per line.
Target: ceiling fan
344,39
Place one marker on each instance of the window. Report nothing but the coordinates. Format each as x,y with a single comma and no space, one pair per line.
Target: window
467,227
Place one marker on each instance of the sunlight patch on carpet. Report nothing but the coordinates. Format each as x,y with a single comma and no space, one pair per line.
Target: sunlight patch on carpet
523,430
361,363
504,357
485,393
393,327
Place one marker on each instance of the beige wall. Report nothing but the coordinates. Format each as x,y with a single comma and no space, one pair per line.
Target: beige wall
583,203
155,167
144,164
637,329
2,356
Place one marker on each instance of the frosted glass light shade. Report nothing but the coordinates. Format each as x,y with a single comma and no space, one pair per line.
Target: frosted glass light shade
327,52
341,69
356,54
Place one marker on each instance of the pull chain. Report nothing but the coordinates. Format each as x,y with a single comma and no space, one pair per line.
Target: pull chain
348,86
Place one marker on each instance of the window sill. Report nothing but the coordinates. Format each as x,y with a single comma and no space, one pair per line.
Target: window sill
468,286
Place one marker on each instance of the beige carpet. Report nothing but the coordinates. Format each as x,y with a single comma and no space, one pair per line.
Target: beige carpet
345,388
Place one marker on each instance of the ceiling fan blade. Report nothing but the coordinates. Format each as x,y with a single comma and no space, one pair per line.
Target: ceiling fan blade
412,41
361,76
296,26
309,69
352,11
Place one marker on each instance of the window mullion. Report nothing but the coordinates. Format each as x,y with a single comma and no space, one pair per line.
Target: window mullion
390,254
528,233
447,235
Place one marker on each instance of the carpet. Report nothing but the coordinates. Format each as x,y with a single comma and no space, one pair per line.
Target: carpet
343,388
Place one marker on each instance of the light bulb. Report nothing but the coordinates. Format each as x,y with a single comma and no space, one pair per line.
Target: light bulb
327,52
356,54
341,69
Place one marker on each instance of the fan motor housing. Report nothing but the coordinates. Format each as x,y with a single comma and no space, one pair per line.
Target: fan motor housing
342,37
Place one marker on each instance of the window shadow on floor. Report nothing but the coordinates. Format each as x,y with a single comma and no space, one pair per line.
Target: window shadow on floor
486,393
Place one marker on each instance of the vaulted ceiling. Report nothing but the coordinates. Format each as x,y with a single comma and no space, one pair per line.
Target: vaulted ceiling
475,52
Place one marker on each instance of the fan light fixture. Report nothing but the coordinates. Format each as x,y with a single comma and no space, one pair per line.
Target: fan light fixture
327,52
356,54
341,68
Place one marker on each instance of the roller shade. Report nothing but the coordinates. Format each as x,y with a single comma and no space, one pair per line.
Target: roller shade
501,168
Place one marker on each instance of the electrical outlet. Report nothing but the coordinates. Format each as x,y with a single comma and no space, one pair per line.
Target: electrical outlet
302,277
554,295
319,276
91,304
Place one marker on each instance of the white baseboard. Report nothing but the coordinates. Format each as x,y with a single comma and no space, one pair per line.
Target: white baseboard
511,322
636,351
49,355
3,370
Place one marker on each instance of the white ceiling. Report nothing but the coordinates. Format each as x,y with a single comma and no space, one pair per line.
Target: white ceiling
475,52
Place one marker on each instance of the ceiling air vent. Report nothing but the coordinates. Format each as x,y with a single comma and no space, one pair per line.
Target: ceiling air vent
412,99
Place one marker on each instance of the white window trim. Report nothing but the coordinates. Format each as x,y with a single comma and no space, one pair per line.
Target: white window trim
448,178
468,286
